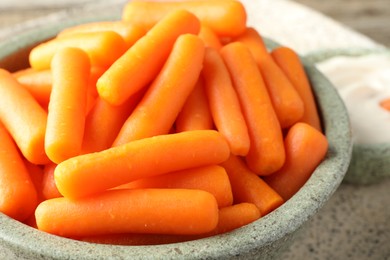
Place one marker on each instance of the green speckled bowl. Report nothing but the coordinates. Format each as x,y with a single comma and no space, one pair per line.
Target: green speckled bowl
262,239
370,163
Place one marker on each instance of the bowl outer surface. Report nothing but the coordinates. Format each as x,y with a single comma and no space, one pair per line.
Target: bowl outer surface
261,239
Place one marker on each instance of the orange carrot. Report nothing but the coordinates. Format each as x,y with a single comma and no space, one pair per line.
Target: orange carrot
129,32
225,18
93,173
385,104
142,62
104,122
266,154
229,218
156,113
37,82
248,187
18,197
23,117
103,48
49,187
254,42
66,117
289,62
306,147
211,178
287,103
235,216
36,175
148,211
224,104
195,113
209,38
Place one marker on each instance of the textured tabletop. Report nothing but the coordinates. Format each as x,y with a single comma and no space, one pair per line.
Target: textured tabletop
355,223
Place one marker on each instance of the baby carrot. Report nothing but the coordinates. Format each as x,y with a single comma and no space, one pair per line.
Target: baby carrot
209,38
104,122
66,117
229,218
23,117
49,187
289,62
306,147
129,32
235,216
18,197
156,113
254,42
224,104
211,178
248,187
266,153
195,113
385,104
225,18
148,211
287,103
36,175
37,82
103,48
141,63
93,173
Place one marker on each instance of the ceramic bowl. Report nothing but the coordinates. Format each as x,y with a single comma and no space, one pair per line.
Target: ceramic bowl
370,163
262,239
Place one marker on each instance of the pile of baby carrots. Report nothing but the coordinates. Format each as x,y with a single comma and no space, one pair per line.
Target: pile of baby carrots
171,124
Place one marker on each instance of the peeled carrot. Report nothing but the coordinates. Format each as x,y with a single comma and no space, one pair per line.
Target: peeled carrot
143,61
211,178
224,104
49,187
157,111
103,48
153,211
195,113
254,42
229,218
225,18
209,38
36,175
68,100
287,103
385,104
129,32
289,62
104,122
18,197
37,82
306,147
266,153
23,117
248,187
93,173
235,216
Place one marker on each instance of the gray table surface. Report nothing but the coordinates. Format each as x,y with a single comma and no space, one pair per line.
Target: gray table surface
355,222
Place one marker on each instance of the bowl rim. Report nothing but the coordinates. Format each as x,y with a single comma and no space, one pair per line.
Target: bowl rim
292,214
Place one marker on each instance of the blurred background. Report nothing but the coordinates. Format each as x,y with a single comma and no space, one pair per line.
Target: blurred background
371,18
